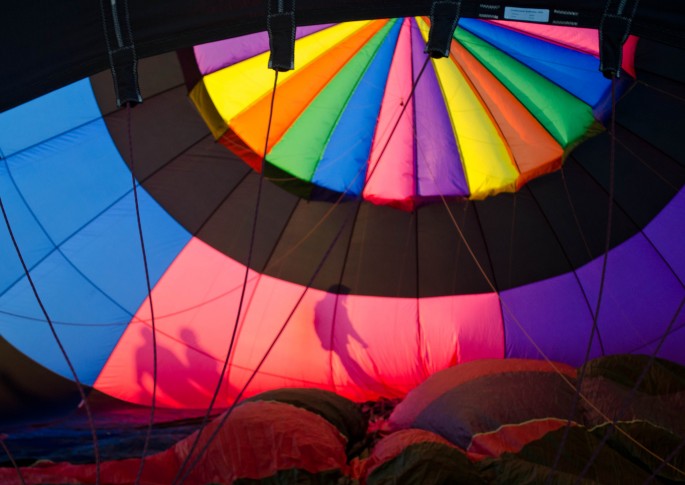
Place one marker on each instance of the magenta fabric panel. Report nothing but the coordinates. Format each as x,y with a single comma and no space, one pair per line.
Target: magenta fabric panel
460,328
390,175
361,347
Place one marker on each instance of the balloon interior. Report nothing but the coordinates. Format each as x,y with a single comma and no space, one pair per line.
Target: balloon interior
378,267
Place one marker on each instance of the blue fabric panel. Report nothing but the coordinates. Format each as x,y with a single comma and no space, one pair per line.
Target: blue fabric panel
70,203
576,72
34,243
88,323
107,251
70,179
46,117
92,285
343,165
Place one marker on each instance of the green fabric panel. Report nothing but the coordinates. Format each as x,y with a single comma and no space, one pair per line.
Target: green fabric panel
566,117
302,146
427,464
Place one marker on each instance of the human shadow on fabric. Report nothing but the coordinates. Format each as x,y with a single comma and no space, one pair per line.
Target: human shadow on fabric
187,375
338,335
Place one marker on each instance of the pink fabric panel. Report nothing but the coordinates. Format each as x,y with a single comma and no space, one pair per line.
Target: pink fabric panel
376,339
629,55
191,339
391,177
461,328
581,39
361,347
298,359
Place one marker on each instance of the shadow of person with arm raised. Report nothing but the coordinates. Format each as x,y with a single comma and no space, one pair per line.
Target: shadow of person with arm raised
338,335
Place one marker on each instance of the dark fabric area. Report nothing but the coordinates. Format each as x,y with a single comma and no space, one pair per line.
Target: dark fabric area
445,265
296,476
663,376
428,464
522,245
66,437
657,440
314,229
29,391
486,403
661,66
659,399
533,464
230,227
258,440
53,44
382,252
337,410
155,75
553,225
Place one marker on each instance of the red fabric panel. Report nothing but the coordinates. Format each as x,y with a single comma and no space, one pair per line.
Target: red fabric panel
393,444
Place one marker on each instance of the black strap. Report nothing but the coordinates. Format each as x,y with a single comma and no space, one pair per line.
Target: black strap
280,23
444,18
614,30
121,50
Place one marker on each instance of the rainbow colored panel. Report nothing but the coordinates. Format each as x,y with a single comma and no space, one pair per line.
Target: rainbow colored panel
366,114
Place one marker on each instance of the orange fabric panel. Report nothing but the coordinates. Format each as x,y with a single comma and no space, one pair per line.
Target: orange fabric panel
295,94
511,438
534,150
234,143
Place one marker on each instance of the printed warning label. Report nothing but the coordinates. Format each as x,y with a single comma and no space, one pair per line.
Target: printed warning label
526,14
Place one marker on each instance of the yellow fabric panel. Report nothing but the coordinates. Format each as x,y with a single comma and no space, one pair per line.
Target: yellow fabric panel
234,88
487,162
205,106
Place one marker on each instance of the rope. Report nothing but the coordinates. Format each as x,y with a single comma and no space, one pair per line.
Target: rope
72,370
254,373
506,309
215,396
134,183
631,395
11,458
184,473
595,318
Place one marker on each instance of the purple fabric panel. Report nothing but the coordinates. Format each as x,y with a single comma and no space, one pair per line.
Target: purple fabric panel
217,55
641,296
666,232
554,314
439,170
